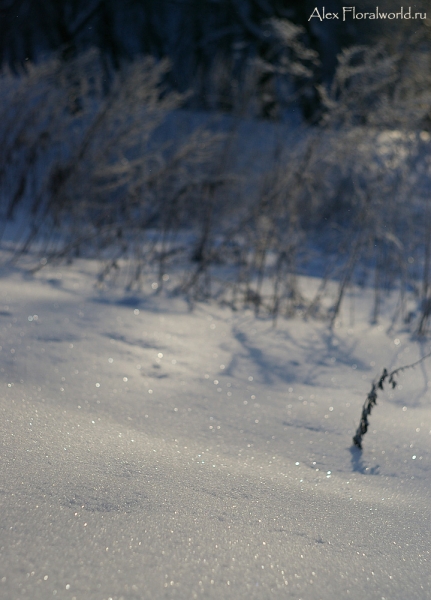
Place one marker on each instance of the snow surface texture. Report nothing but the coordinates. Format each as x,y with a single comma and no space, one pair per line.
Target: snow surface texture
153,452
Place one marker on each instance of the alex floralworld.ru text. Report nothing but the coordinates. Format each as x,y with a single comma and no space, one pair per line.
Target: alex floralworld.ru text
350,12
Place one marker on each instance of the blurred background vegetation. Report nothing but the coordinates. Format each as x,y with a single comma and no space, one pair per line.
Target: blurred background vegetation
229,145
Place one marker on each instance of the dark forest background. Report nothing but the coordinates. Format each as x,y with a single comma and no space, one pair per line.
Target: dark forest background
197,35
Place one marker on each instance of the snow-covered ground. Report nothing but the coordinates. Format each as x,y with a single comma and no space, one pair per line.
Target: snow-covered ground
150,451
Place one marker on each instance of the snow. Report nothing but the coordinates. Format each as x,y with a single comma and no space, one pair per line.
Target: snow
151,451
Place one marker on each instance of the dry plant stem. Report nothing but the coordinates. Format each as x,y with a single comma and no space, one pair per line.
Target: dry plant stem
372,398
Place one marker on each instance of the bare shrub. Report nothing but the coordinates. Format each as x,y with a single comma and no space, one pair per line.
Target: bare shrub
84,160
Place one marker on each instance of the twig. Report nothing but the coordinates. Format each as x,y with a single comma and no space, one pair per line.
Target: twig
371,399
